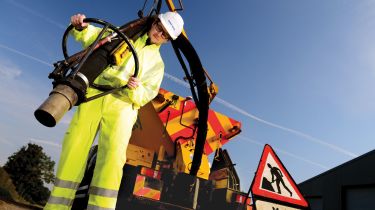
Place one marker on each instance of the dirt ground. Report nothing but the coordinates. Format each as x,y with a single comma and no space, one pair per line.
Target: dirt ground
6,205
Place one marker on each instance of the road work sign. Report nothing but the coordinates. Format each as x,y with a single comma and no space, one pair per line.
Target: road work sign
266,205
273,181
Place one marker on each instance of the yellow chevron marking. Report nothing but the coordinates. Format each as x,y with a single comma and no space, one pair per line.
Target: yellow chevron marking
174,125
224,121
141,190
139,183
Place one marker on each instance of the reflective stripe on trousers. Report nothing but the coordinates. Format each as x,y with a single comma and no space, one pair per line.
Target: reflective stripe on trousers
102,196
92,207
66,184
103,192
62,194
115,118
60,200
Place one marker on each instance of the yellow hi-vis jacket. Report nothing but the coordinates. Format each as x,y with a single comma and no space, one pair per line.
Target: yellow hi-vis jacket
115,115
150,74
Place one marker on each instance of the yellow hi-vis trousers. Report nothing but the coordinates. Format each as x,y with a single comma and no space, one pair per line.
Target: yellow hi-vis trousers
115,117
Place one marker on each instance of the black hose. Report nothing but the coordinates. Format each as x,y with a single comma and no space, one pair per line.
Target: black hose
91,48
134,29
182,44
187,74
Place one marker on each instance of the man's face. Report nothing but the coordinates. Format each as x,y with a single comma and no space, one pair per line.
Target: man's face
158,35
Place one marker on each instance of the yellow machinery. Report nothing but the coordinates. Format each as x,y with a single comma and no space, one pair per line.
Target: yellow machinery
160,155
167,163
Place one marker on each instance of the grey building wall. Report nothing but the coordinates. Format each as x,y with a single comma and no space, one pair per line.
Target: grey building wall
339,188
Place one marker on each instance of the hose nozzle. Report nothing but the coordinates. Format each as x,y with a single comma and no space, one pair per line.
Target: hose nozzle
61,99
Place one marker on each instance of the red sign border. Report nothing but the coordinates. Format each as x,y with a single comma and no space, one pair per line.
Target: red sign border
255,186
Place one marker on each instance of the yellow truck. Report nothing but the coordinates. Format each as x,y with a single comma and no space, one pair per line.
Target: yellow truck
160,156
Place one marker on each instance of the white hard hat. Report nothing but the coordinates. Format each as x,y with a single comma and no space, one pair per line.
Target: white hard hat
173,23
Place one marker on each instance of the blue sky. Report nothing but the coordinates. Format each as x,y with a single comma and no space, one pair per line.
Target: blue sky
299,75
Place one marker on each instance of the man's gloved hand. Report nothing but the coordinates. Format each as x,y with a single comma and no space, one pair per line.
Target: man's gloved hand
77,22
133,83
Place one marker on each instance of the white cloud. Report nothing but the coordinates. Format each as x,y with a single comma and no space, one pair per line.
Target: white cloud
34,12
25,55
8,70
16,93
176,80
4,141
15,97
53,144
295,132
286,153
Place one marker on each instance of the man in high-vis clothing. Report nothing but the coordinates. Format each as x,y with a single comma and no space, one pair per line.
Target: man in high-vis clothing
113,116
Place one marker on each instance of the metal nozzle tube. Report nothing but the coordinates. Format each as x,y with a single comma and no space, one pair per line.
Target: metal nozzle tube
61,99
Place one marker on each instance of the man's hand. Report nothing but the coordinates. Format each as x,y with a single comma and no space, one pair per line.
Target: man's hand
77,21
133,83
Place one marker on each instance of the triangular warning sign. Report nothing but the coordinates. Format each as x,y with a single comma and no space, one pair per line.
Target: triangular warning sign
274,182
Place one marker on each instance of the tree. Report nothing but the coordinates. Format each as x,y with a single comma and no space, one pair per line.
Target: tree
29,168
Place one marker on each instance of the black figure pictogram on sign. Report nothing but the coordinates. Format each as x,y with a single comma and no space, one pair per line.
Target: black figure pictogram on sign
277,176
